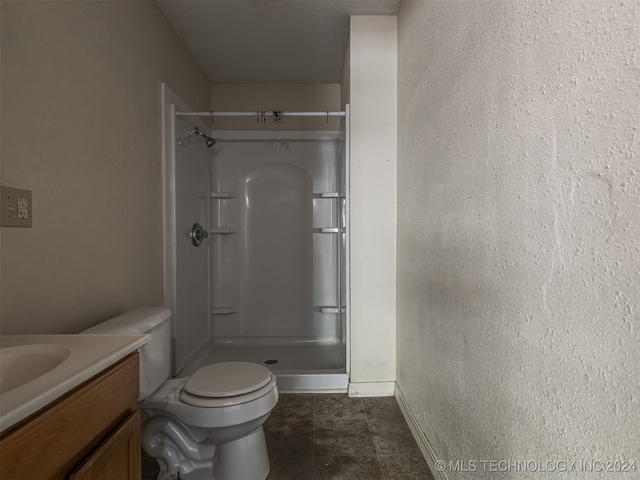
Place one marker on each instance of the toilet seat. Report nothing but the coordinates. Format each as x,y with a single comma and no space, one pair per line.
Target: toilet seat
226,384
227,379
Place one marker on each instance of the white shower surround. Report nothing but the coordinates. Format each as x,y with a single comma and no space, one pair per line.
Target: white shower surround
253,327
311,354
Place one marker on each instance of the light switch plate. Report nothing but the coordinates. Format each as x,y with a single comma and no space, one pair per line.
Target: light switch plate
15,207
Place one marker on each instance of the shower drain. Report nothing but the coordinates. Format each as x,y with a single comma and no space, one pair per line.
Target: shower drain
271,361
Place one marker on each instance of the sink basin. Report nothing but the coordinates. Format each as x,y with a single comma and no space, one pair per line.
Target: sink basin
24,363
35,370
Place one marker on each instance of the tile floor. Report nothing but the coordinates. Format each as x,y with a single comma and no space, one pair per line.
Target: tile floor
334,437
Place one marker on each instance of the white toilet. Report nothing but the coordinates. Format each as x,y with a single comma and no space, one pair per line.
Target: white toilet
207,425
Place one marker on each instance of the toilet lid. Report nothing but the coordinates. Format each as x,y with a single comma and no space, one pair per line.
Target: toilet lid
227,379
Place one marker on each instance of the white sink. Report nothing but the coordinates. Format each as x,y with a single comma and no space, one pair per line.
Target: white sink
37,369
22,364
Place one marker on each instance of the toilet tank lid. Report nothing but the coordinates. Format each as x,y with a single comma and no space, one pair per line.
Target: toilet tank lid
141,320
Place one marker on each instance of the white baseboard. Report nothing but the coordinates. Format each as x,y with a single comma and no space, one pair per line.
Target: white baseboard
421,439
372,389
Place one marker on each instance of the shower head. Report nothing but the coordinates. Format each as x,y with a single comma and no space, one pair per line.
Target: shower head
196,131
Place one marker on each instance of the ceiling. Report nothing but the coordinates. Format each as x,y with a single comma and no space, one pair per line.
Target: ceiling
269,41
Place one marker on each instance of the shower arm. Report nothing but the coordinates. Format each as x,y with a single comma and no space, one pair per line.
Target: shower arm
196,131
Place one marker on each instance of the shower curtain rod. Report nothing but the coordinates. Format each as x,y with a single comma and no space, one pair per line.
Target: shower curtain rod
260,114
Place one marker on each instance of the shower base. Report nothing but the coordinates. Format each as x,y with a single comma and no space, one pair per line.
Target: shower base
300,365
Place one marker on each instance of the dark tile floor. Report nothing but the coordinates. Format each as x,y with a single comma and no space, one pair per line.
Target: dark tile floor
334,437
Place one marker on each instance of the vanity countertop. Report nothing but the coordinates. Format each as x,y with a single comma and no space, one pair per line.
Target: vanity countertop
81,357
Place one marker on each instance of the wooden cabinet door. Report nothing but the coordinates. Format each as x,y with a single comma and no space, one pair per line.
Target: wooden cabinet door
118,457
54,440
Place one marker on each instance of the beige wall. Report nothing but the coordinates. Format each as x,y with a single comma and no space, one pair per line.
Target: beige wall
518,232
278,97
373,87
345,81
81,129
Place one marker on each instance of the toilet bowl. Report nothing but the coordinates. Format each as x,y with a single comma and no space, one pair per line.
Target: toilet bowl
208,425
205,434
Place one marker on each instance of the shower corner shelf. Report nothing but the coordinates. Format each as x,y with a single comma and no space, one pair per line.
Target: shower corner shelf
224,310
328,195
223,195
328,309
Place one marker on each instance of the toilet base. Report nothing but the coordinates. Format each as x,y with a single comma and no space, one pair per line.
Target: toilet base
243,459
180,448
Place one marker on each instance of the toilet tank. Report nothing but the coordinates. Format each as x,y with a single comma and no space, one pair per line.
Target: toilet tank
155,355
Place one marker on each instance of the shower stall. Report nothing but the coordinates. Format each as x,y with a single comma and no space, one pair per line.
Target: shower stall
256,249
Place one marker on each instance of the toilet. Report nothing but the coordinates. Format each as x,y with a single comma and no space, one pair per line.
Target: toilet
204,426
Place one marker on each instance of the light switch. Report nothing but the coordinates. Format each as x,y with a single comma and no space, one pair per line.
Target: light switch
16,207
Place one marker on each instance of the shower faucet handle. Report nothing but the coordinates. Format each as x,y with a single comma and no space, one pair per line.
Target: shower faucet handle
198,234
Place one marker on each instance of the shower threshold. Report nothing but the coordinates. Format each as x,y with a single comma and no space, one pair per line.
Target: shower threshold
299,365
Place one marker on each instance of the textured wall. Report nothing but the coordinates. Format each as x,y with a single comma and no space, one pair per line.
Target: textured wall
81,129
518,229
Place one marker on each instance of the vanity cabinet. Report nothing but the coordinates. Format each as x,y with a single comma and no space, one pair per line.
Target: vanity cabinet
92,432
117,457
